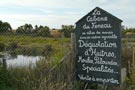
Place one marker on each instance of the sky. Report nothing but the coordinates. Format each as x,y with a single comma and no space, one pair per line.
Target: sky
54,13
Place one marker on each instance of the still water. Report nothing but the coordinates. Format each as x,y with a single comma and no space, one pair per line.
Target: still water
22,61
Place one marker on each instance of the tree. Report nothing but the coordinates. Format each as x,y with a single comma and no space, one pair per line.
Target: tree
5,26
25,29
35,30
44,31
67,30
38,30
36,27
40,27
1,26
28,28
20,30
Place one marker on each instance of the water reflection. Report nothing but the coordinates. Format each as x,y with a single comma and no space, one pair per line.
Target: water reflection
23,61
12,59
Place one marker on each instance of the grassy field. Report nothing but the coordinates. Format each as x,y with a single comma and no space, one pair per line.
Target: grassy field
35,43
29,41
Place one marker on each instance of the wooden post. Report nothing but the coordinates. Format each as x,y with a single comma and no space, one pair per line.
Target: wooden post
129,69
123,74
73,43
133,62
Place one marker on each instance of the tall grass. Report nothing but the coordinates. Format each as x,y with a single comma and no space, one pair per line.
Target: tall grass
32,78
42,78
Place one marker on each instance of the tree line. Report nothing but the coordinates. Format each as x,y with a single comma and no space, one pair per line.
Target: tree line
37,31
44,31
128,30
28,29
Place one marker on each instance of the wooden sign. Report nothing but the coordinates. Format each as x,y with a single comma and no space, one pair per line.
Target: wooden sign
98,43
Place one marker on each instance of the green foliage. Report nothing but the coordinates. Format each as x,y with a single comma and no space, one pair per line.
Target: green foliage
5,26
128,30
12,46
43,31
2,47
126,55
130,83
4,79
67,30
25,29
48,50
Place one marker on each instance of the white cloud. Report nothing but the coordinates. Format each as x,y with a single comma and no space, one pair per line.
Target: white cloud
57,12
54,21
47,3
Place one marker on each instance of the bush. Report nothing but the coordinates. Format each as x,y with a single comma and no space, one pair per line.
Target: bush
2,47
44,32
67,30
48,49
28,51
3,79
12,46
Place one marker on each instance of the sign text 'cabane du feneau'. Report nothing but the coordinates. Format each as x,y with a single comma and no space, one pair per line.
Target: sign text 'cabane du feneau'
98,41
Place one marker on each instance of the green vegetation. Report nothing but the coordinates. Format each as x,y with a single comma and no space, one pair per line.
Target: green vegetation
25,78
127,56
44,76
133,80
5,26
130,82
43,31
128,31
40,77
67,30
27,29
2,47
30,44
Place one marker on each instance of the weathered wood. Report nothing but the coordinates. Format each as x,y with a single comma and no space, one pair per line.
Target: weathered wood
123,75
129,67
133,61
73,45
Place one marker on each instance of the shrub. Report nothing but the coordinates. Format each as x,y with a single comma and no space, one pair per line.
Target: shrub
67,30
12,46
2,47
44,32
48,49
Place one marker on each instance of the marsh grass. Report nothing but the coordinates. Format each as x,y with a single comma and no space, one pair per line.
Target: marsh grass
29,45
41,78
36,78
